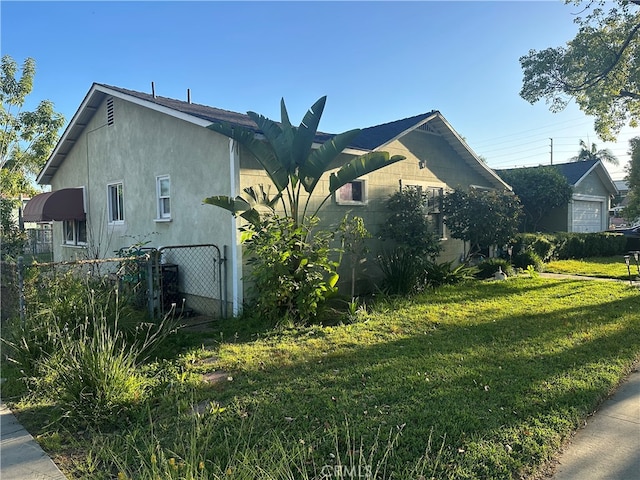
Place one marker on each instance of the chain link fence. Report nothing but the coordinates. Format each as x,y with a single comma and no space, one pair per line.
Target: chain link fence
27,287
186,280
191,277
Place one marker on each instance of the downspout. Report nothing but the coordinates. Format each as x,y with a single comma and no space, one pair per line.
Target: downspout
234,169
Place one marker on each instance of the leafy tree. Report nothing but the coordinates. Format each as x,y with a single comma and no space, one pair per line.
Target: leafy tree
291,162
26,137
599,68
404,268
26,140
482,217
593,153
632,210
408,224
540,190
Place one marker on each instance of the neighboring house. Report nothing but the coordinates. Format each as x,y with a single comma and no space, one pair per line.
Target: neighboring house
588,209
133,165
38,234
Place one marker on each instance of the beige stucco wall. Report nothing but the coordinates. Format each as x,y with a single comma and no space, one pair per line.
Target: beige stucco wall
141,145
444,169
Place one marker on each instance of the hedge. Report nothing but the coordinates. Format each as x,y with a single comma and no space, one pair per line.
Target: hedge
564,245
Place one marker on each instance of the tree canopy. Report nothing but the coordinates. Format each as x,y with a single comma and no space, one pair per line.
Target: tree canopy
540,190
408,224
632,210
482,217
599,68
26,137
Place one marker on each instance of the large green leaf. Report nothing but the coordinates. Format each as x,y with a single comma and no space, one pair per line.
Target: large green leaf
235,205
250,205
262,151
280,139
321,158
306,132
360,166
284,116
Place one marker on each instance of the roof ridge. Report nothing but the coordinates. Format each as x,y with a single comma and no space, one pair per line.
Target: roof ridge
152,96
425,114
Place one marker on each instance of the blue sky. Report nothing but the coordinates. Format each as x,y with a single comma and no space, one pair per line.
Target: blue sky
376,62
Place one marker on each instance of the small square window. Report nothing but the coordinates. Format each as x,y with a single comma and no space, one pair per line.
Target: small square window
353,193
163,191
75,232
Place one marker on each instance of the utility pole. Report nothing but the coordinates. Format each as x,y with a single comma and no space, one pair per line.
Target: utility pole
551,150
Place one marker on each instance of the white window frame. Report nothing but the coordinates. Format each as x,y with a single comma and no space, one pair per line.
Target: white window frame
363,181
71,233
162,215
116,212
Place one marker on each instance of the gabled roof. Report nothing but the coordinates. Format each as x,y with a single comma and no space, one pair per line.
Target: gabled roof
576,172
372,138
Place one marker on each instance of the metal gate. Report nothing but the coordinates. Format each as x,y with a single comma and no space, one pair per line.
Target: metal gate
191,280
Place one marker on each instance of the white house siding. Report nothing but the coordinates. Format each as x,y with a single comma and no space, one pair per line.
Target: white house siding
588,214
589,207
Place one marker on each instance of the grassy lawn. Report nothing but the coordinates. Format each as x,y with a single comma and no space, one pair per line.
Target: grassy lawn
478,381
603,267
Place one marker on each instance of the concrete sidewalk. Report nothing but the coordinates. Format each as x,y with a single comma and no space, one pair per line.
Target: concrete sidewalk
608,448
21,458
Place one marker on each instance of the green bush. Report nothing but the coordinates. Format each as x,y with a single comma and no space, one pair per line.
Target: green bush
403,273
408,224
291,276
528,258
489,267
585,245
446,273
543,244
566,245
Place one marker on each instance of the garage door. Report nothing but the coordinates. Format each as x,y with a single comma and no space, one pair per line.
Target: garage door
587,216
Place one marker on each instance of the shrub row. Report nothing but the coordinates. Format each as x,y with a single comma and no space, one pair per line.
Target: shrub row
564,246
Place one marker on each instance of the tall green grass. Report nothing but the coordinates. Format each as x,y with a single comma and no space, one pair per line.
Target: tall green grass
477,381
73,350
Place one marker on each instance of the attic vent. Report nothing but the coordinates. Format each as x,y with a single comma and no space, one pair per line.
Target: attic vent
110,116
425,127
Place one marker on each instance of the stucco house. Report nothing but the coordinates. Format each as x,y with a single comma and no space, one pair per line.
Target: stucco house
133,165
588,209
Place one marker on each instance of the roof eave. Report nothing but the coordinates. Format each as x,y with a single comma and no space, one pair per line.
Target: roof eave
603,173
94,97
460,146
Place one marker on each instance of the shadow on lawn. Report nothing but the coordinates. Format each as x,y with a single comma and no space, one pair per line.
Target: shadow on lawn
525,379
474,385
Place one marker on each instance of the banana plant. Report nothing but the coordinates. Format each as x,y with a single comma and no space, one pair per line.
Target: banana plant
292,163
250,205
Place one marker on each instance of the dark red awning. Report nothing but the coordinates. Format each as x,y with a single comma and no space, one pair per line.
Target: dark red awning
64,204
